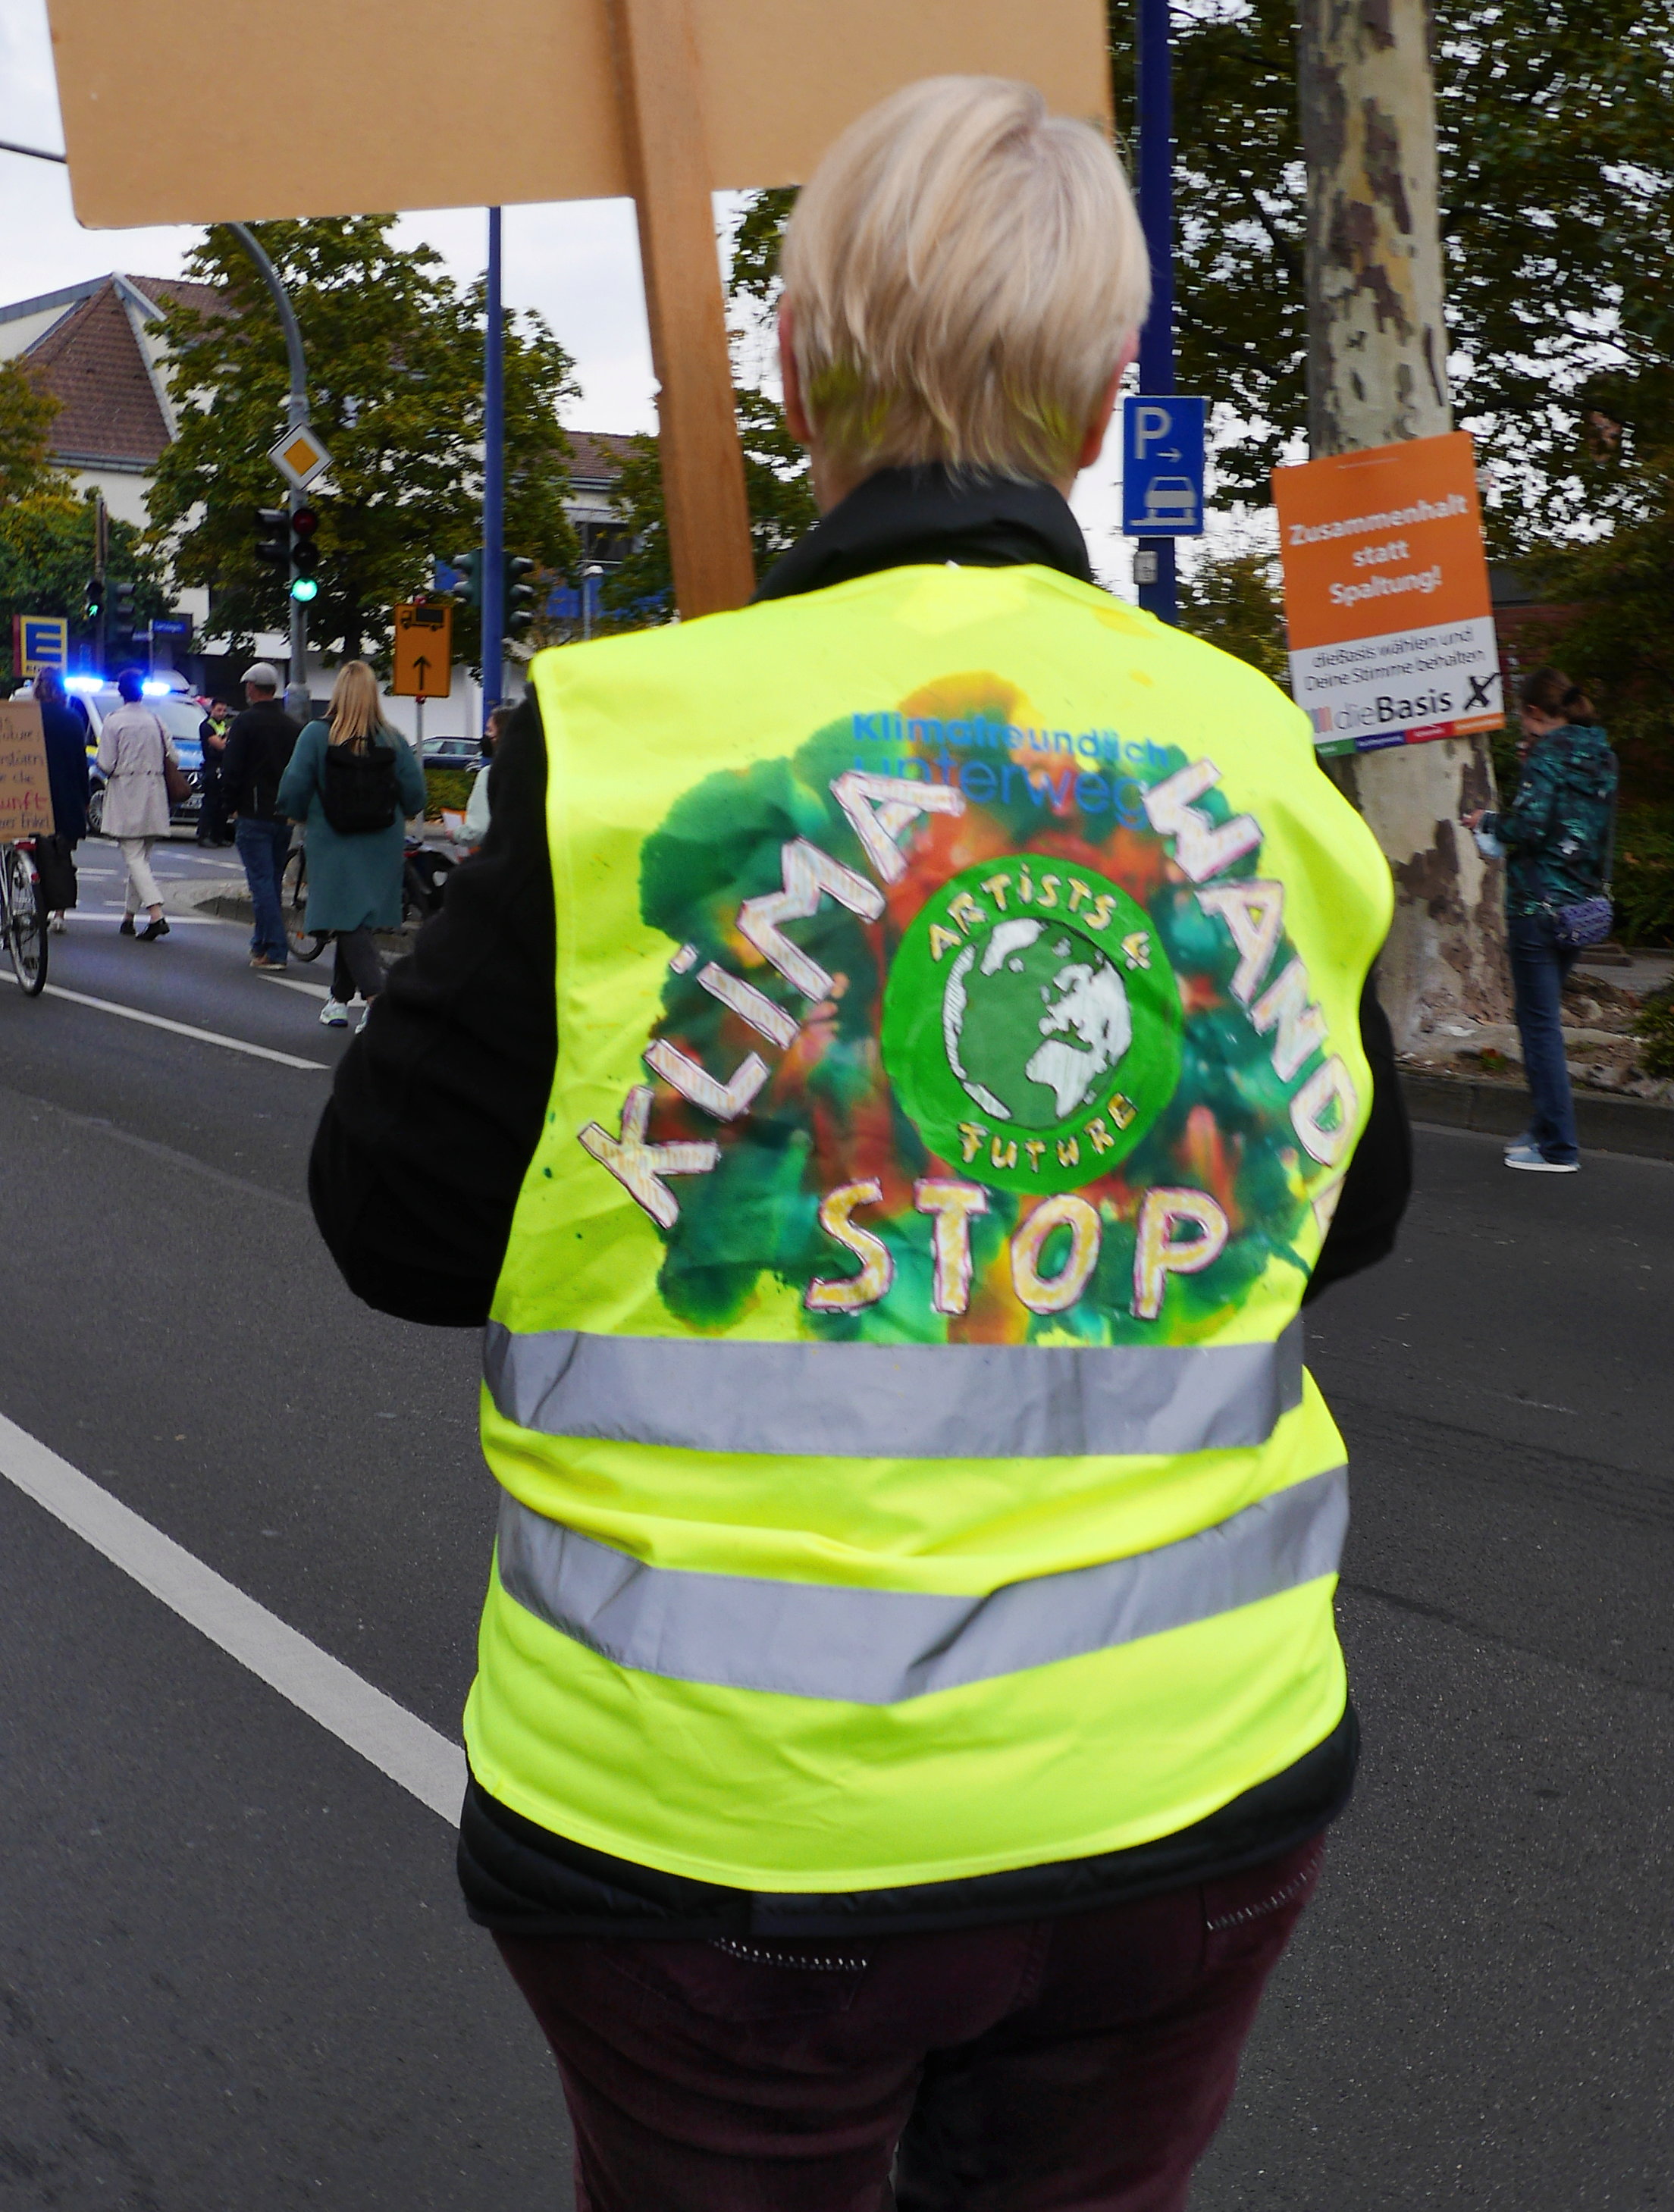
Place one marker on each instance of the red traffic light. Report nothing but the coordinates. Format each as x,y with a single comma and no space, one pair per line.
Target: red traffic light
304,522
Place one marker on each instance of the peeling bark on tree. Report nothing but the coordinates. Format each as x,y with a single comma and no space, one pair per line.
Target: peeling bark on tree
1377,374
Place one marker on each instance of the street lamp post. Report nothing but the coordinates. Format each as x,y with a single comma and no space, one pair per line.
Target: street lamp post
296,417
591,570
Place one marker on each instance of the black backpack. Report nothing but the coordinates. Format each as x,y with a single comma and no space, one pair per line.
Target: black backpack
359,792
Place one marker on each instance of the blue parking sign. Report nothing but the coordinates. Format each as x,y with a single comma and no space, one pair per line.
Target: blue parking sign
1162,466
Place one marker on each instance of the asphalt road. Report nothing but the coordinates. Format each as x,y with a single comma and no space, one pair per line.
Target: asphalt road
233,1967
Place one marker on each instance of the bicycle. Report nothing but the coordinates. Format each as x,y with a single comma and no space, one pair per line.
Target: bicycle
424,874
305,943
23,917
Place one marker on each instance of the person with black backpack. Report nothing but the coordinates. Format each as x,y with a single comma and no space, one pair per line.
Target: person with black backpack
353,781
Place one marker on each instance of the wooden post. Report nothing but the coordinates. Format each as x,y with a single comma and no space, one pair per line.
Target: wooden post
697,441
1377,374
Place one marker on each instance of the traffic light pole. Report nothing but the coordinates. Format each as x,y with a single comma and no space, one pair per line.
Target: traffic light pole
494,483
1154,564
296,417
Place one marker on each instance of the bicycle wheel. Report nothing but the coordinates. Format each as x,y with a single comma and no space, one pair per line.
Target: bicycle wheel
305,943
26,923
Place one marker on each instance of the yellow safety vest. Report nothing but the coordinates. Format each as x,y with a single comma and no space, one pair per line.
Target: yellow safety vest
895,1380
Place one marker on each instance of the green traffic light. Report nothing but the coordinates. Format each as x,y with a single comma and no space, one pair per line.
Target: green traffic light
305,588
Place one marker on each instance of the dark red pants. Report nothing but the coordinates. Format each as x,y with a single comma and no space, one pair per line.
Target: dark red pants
1079,2065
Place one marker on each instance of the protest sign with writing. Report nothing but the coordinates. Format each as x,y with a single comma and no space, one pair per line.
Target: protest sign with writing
1386,595
26,805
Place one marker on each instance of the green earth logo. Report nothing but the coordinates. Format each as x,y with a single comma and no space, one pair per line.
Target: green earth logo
1034,1022
1031,1024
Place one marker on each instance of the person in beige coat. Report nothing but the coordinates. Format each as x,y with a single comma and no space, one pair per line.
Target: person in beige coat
133,746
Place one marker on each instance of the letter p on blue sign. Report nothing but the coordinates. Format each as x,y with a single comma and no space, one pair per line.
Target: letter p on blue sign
1162,466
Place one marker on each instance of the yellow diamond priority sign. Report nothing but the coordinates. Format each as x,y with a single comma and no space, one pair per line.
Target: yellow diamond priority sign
300,457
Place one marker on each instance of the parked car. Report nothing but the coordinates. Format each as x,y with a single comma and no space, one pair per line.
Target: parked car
180,716
452,752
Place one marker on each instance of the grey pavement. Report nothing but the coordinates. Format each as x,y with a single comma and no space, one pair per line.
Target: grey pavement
233,1965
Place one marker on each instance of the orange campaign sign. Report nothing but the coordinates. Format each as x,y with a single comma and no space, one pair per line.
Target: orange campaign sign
1386,595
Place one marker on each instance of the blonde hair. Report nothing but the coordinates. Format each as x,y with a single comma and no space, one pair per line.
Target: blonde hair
963,272
353,713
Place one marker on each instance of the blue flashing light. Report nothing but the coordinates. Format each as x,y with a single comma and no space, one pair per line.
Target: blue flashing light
83,683
154,688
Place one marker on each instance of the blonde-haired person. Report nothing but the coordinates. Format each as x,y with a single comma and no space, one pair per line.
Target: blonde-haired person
353,782
908,1708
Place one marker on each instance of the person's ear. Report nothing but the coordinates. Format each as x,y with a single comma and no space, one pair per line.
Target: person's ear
1098,428
790,378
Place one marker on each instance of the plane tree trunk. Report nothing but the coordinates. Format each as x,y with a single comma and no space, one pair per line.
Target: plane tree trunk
1377,373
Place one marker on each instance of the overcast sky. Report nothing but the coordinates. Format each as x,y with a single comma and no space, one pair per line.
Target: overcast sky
576,261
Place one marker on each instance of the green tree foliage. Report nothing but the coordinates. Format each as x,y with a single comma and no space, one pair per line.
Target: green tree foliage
47,551
26,432
1233,600
394,352
776,484
1557,196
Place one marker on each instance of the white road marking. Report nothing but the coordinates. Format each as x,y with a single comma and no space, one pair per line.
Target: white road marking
292,983
397,1742
182,1029
102,915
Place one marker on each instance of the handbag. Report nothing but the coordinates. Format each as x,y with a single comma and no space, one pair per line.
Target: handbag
175,780
1590,920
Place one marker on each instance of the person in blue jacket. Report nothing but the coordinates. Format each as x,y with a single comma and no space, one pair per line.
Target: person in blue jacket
353,782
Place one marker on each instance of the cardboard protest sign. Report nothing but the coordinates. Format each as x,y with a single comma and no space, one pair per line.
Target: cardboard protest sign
534,109
670,100
26,805
1386,595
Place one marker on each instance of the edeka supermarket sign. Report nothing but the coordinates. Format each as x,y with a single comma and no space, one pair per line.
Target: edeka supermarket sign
1386,595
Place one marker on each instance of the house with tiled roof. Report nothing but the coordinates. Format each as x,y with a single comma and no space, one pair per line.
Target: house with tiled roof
97,347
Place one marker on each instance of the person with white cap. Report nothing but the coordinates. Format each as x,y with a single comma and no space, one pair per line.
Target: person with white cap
259,746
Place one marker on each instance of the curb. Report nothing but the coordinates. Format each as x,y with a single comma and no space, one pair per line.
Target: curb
1641,1126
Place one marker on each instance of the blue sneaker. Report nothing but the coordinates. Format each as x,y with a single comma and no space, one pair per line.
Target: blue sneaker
1531,1157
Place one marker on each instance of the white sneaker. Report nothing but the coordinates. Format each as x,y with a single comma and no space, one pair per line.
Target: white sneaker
1530,1157
59,926
334,1015
366,1015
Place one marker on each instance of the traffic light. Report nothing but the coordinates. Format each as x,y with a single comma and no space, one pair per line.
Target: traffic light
468,591
304,554
519,598
273,546
93,599
124,643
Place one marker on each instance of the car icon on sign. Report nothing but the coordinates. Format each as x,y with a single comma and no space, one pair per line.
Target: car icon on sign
1170,499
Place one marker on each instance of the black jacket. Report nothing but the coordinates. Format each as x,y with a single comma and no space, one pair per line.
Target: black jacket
259,746
65,735
424,1148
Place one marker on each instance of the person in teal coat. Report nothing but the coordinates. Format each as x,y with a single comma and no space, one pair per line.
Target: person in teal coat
354,872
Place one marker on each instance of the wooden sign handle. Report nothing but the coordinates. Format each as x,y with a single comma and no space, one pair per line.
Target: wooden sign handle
697,444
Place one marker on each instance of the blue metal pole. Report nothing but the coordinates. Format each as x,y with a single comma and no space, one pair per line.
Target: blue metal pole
494,484
1156,215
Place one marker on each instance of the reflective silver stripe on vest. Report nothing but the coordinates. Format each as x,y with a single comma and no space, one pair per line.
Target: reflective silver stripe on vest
872,1647
893,1402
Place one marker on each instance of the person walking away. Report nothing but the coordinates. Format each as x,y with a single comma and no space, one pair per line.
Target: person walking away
474,827
259,746
134,750
66,741
1557,836
212,812
884,1083
354,781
